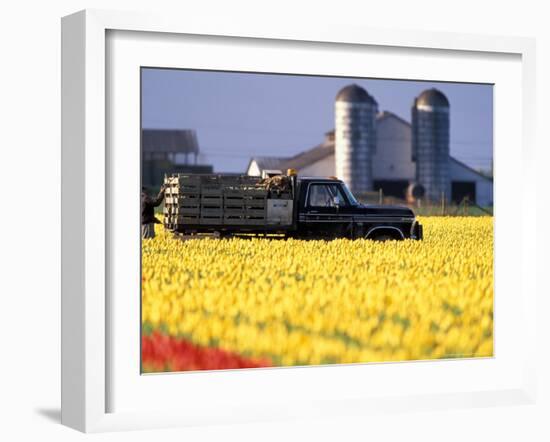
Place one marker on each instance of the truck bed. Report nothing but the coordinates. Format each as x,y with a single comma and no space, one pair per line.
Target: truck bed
217,202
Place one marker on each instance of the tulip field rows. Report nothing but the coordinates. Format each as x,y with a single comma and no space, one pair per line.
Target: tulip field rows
239,303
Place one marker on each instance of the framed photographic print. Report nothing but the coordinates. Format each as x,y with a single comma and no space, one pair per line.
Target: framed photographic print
319,217
232,277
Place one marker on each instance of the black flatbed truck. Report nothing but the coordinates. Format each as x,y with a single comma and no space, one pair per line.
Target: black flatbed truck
308,208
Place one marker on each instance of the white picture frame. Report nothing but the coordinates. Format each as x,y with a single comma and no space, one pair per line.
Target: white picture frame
86,232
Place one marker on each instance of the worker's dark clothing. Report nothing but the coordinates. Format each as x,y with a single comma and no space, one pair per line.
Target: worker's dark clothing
148,205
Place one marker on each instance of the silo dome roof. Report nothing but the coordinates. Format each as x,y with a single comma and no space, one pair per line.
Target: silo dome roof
355,94
432,97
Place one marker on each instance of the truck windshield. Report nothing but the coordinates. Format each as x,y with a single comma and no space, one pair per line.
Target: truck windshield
350,196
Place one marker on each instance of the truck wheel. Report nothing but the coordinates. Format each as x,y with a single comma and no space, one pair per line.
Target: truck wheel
383,237
386,235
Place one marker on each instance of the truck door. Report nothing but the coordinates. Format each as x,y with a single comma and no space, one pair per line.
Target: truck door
327,210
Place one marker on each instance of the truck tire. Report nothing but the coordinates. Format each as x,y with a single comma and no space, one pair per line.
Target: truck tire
384,237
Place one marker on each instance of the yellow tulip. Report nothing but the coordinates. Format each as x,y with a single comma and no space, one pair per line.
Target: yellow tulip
316,302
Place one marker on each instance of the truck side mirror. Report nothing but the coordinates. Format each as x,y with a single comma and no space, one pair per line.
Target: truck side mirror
336,201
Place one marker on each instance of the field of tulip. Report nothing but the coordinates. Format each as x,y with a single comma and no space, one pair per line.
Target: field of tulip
240,303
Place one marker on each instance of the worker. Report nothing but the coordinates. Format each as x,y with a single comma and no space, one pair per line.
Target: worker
148,205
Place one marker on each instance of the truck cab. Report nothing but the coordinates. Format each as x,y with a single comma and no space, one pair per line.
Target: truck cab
327,208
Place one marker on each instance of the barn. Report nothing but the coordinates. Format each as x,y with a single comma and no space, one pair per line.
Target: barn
388,152
167,151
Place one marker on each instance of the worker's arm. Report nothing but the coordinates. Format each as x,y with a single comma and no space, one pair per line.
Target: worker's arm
160,196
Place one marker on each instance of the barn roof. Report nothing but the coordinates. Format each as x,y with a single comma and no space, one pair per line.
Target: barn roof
312,155
169,141
268,163
465,166
387,114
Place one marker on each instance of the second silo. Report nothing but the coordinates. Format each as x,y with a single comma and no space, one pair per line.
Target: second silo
355,137
430,143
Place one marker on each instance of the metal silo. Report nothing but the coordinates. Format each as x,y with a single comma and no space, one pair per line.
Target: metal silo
430,143
355,137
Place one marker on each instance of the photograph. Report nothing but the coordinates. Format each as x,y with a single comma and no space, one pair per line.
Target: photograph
305,220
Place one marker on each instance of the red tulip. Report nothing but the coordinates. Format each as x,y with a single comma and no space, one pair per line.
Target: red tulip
164,353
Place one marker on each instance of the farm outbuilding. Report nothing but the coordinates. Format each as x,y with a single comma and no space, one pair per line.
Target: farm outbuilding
390,152
167,151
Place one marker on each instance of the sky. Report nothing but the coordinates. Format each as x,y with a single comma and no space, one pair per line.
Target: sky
241,115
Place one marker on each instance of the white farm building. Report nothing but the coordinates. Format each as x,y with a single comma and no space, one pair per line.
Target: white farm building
373,150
